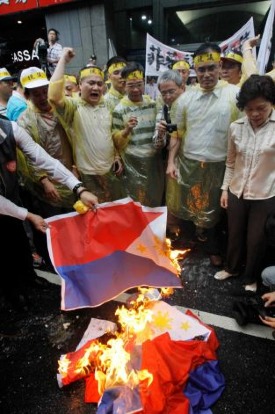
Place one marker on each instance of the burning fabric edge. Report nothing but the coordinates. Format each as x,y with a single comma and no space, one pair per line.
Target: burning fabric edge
170,361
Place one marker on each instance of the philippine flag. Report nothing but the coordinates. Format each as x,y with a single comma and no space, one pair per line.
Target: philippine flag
104,252
178,350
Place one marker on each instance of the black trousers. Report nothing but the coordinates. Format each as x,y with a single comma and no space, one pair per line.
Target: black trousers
16,257
247,241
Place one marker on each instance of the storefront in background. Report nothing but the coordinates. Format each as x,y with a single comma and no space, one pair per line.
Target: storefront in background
106,27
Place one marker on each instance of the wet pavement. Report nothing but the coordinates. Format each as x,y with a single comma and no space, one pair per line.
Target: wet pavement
32,342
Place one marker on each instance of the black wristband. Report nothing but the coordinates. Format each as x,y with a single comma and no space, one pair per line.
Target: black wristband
76,187
81,191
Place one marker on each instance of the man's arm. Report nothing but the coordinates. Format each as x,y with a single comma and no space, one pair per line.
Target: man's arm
249,65
56,88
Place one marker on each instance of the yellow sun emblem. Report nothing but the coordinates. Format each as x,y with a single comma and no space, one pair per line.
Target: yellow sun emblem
162,320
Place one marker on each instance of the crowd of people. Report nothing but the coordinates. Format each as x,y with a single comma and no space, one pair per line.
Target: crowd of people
197,147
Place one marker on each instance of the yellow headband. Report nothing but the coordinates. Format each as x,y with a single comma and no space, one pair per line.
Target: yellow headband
91,71
181,64
5,74
33,76
70,78
116,66
207,57
233,56
137,74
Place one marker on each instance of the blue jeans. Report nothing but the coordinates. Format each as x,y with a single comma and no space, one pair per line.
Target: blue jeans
268,277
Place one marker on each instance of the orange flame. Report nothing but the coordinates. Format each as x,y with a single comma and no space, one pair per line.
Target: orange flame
111,362
175,255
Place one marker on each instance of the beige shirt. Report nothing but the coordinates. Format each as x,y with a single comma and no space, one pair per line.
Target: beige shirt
250,165
203,119
90,128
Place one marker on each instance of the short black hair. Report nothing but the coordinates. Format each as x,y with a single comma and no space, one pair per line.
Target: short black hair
55,31
131,67
256,86
115,59
207,47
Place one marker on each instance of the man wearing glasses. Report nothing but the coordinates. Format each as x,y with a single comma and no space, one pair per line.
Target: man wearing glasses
198,148
133,128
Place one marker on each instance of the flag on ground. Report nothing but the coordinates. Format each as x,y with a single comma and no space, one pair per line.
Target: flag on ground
186,373
102,253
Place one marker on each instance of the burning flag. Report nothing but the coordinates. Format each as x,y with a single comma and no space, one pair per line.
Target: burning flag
102,253
161,360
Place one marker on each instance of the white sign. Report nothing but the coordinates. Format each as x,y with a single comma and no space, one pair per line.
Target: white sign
23,55
265,46
159,57
236,41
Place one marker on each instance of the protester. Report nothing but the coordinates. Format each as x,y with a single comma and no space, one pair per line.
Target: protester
133,128
46,197
16,105
231,67
21,274
197,152
116,91
249,66
71,86
170,86
96,158
249,181
17,102
6,88
183,68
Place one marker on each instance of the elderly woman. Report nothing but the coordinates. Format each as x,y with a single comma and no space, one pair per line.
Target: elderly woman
249,181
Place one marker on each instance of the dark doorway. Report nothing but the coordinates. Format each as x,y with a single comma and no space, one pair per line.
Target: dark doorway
18,33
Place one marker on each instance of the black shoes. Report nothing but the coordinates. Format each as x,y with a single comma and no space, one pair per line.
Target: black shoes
249,309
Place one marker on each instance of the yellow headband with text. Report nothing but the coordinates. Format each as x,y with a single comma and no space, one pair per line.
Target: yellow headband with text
91,71
5,74
207,57
116,66
137,74
70,78
181,64
33,76
233,56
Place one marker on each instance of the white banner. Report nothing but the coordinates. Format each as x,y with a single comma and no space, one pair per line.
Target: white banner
236,41
159,57
265,46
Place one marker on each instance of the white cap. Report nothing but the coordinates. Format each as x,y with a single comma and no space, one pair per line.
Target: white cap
5,75
33,78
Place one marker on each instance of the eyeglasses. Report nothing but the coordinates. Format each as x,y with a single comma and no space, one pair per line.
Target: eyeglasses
209,68
135,85
169,92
